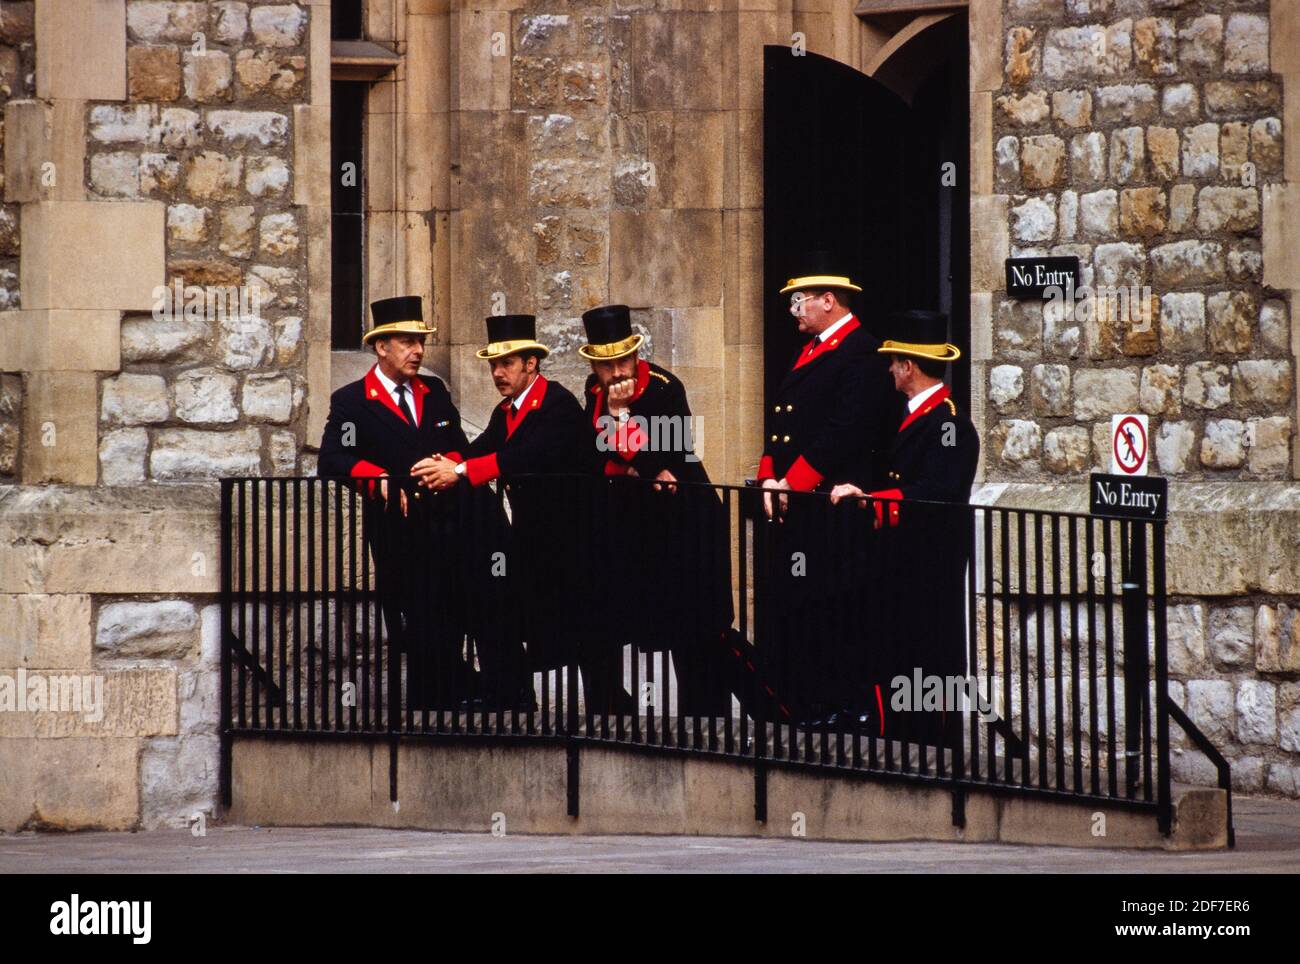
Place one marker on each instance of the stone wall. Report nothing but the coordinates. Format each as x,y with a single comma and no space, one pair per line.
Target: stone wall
152,158
218,390
17,68
1140,139
1148,140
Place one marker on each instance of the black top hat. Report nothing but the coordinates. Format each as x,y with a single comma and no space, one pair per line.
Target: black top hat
508,334
919,333
397,315
609,333
820,270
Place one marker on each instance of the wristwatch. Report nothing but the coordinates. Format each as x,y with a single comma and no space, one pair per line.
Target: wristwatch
460,468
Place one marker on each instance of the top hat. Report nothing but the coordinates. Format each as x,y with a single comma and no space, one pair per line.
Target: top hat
920,334
508,334
393,316
820,271
609,333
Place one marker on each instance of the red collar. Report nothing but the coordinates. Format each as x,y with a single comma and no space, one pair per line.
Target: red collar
642,380
815,349
930,404
376,392
534,401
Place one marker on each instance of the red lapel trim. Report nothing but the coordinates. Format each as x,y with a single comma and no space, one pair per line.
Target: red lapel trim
931,403
375,392
418,391
811,353
534,401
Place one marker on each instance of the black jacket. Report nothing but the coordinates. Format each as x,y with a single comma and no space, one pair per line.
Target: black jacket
381,439
667,570
546,544
550,438
832,415
922,603
661,402
935,455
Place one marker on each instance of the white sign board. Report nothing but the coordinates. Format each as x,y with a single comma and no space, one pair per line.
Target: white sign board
1129,446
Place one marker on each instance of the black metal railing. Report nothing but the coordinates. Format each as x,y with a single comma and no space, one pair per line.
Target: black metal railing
575,608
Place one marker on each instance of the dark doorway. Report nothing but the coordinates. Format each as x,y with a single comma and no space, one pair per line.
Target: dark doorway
852,167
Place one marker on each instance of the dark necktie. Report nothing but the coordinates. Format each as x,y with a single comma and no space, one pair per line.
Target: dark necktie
404,406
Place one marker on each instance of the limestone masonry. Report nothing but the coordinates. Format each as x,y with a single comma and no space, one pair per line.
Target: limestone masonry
165,315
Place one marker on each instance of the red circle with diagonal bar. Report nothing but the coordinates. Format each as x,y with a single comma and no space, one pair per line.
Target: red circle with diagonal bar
1134,454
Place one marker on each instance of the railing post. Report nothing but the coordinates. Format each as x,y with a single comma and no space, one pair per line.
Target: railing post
1164,793
1136,667
225,763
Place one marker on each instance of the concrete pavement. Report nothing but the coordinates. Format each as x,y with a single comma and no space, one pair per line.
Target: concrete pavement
1268,840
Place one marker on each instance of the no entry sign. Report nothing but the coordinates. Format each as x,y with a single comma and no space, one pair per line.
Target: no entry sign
1128,444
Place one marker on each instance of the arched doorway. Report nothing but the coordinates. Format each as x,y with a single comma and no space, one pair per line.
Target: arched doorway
875,170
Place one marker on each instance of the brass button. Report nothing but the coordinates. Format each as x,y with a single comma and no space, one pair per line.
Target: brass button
777,409
773,438
789,408
786,439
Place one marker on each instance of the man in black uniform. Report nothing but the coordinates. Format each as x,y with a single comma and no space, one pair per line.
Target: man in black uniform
539,430
932,460
380,426
828,422
667,570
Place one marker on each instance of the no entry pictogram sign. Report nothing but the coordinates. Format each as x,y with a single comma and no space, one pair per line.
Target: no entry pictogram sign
1129,444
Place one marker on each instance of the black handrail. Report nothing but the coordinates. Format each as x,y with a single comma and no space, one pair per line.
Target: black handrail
345,617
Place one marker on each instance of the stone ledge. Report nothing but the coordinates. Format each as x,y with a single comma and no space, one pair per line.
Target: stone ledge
74,539
522,790
1224,538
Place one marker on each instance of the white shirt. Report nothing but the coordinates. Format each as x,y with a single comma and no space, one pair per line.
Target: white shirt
391,385
518,402
826,335
917,400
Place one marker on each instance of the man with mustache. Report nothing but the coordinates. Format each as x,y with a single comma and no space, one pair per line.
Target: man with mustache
539,430
670,578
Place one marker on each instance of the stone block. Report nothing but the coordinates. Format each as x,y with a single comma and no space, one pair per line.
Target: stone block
666,258
37,340
1223,445
44,631
81,783
190,454
676,60
165,629
1101,392
60,428
45,150
1207,385
82,46
1182,321
153,72
92,254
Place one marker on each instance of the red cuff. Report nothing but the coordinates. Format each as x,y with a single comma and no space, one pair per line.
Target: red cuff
765,468
482,469
890,498
366,470
454,456
802,476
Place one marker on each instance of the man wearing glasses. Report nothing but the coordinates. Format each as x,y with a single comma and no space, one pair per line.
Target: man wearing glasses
829,422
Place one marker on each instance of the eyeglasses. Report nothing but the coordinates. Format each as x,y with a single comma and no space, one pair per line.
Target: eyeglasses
797,301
